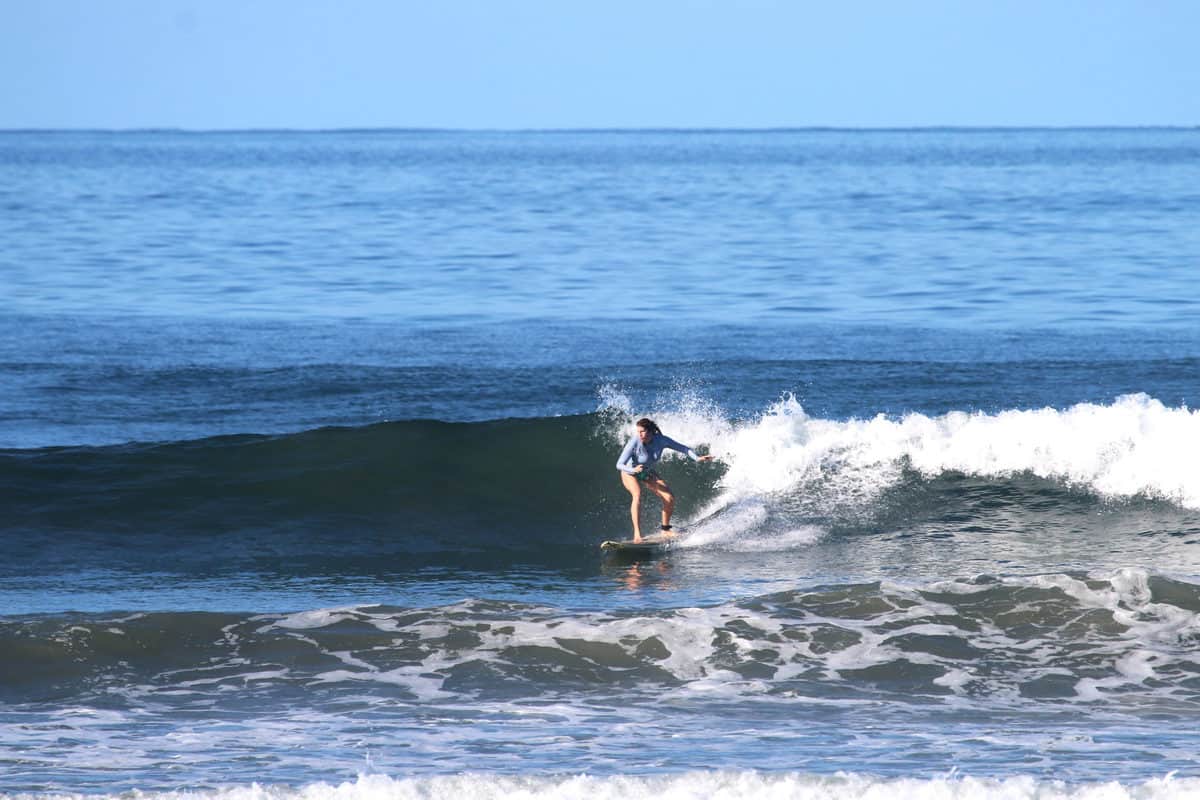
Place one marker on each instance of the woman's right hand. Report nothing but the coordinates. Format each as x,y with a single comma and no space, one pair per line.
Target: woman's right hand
637,468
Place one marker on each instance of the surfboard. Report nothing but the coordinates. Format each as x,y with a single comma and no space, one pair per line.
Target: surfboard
656,543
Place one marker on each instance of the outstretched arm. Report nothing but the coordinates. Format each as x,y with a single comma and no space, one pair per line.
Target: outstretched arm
683,448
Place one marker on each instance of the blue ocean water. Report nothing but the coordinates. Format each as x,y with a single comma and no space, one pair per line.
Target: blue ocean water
307,446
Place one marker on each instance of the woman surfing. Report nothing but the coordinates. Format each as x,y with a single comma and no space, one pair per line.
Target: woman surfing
637,471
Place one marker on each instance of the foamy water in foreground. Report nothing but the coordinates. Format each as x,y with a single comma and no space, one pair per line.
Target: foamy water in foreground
714,785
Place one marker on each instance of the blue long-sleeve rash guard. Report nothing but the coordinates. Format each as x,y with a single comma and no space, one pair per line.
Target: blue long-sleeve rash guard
648,454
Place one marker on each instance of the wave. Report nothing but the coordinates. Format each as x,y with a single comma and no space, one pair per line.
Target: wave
1134,447
728,785
412,486
547,486
1108,641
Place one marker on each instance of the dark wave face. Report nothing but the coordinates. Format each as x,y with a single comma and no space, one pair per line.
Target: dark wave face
413,487
1018,488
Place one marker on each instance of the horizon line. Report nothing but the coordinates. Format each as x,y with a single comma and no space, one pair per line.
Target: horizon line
616,129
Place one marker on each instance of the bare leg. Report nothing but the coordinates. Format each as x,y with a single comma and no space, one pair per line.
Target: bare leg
660,488
635,488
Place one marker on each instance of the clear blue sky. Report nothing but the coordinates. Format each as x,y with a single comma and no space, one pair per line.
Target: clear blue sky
215,64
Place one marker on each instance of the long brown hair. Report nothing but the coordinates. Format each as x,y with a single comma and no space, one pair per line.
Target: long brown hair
650,425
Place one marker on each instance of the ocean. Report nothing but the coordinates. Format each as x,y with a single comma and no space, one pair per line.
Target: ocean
307,446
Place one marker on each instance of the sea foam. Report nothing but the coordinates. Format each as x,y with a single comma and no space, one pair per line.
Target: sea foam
723,785
1132,447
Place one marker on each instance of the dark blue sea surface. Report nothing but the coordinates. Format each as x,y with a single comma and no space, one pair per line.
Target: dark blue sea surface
307,446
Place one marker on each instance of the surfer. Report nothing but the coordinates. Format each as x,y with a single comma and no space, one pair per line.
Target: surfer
637,471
